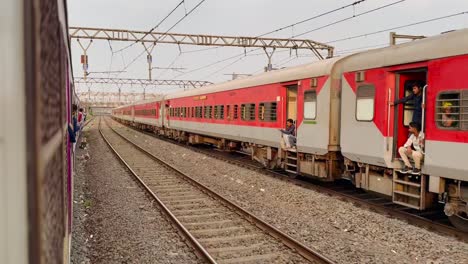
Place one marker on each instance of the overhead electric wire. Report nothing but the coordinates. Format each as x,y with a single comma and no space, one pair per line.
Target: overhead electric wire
355,3
216,62
312,18
348,18
399,27
155,27
165,33
180,20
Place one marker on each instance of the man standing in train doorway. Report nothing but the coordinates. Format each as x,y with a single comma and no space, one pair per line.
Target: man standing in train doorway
417,97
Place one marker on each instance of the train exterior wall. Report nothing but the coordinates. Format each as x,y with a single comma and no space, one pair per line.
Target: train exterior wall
445,147
313,134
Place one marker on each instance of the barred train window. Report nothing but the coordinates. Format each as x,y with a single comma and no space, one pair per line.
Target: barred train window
452,110
267,111
248,112
228,112
219,112
310,105
235,115
198,112
209,112
365,103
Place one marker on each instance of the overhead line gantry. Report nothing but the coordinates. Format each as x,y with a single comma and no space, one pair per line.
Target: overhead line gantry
200,40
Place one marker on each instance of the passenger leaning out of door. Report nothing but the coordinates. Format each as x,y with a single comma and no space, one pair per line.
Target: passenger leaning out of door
416,96
413,148
289,134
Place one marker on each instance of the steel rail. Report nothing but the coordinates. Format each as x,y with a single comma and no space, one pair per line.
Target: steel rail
305,251
192,240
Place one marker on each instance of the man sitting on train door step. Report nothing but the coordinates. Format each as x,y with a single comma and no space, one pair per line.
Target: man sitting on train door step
416,142
416,96
289,134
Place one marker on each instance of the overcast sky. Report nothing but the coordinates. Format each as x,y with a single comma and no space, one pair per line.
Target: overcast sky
244,18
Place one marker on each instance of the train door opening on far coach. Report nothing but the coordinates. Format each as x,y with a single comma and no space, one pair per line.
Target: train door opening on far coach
291,102
404,112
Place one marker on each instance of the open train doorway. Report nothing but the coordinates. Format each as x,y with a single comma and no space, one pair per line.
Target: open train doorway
405,80
291,102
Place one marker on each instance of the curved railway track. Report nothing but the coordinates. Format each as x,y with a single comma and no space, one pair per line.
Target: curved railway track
433,220
219,230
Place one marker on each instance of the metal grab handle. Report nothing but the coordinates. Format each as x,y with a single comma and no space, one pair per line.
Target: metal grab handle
388,117
423,115
424,109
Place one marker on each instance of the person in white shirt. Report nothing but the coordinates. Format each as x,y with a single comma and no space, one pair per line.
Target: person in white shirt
414,148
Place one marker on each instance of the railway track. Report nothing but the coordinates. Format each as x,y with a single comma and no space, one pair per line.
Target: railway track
219,230
433,220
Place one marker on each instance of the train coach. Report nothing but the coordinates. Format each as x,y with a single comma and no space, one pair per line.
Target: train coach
346,126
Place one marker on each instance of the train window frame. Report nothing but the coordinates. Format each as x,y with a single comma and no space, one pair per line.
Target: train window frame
365,96
235,112
461,103
228,112
198,112
209,111
314,92
219,112
270,111
249,108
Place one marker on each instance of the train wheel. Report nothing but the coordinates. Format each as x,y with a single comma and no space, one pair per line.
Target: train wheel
459,222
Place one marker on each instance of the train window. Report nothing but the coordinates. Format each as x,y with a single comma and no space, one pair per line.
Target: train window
209,112
219,112
310,105
248,112
261,111
198,112
452,110
228,112
235,114
365,102
267,111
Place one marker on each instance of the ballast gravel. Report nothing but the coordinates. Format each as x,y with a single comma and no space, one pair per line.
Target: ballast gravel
338,229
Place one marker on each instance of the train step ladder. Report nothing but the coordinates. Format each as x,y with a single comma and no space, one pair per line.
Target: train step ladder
409,190
291,161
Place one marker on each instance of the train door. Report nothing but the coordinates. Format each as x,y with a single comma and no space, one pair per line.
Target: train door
291,102
166,115
404,112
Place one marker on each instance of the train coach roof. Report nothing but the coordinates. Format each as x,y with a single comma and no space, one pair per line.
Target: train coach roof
315,69
444,45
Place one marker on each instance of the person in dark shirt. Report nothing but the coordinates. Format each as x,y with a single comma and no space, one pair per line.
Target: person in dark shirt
416,96
289,134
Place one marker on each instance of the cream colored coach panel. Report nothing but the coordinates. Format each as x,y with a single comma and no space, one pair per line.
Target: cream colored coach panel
446,159
13,195
313,138
360,141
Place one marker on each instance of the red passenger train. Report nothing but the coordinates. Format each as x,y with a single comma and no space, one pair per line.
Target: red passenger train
346,125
